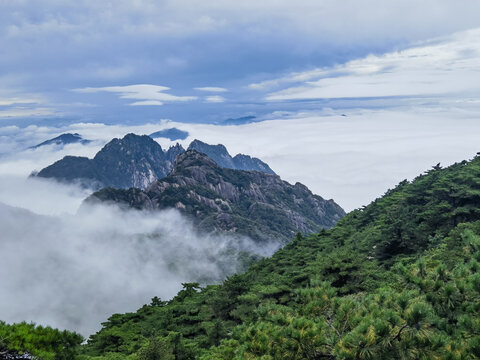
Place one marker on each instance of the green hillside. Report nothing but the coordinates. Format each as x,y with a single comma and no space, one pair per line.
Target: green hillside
397,279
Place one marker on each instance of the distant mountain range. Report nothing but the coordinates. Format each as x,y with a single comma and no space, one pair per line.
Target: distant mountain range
240,195
172,134
132,161
239,121
137,161
255,204
63,139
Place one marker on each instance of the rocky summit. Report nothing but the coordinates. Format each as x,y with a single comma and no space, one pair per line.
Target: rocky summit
133,161
220,155
137,161
251,203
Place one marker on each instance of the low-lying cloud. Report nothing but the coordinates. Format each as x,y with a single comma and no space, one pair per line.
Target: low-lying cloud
73,270
350,155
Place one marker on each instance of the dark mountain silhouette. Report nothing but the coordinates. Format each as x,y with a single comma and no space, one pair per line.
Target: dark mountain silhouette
63,139
220,155
172,134
137,161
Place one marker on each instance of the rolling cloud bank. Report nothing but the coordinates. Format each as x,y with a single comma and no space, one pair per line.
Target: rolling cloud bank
73,270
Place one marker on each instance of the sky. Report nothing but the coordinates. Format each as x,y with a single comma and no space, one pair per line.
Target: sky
349,97
206,61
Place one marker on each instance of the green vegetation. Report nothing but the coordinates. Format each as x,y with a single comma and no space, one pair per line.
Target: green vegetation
397,279
22,341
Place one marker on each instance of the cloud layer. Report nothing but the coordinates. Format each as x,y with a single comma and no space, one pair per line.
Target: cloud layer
350,155
58,258
147,94
51,47
75,270
212,89
447,66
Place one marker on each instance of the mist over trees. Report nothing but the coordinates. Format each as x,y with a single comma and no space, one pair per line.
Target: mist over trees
70,270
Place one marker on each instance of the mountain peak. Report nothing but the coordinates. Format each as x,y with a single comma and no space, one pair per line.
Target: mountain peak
172,134
132,146
63,139
217,153
200,145
248,203
134,160
220,155
177,146
133,139
246,162
130,139
138,160
172,153
193,158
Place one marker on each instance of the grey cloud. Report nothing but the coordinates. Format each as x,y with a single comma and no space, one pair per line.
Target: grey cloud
442,66
213,89
74,270
60,45
146,93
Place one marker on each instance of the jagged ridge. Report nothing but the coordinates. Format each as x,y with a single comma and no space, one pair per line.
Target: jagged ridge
122,163
220,155
251,203
137,161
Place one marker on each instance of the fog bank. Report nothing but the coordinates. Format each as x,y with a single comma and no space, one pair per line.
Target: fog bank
74,270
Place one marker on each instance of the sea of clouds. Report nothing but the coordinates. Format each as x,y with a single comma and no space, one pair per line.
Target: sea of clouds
72,265
351,156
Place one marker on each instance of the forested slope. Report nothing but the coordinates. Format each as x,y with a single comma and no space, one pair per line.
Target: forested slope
397,279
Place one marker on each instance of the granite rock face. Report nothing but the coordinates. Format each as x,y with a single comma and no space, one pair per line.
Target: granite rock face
251,203
133,161
220,155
